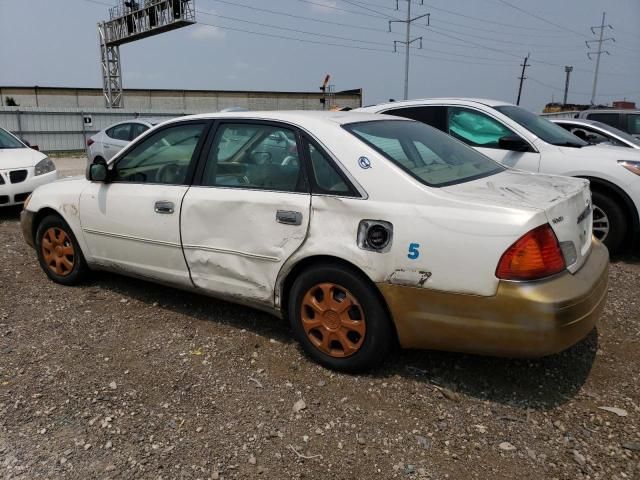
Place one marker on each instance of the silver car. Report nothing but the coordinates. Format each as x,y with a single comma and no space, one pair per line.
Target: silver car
597,133
106,143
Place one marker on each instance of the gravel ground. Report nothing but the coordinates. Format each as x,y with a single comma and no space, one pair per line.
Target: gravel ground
126,379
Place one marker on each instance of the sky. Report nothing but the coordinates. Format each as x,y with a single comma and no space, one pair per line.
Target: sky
471,48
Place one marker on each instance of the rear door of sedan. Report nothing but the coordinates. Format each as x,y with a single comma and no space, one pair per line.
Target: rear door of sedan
248,210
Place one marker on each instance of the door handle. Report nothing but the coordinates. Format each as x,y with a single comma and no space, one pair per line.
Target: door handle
289,217
164,207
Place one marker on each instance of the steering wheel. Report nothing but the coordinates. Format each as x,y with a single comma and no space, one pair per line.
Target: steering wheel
170,173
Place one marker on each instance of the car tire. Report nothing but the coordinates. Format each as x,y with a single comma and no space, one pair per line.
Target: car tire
607,213
58,252
339,318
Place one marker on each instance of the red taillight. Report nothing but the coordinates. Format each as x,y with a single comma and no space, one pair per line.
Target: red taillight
535,255
90,142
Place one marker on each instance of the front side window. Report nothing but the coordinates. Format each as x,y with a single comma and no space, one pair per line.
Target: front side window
9,141
475,128
254,156
541,127
429,155
120,132
138,129
163,157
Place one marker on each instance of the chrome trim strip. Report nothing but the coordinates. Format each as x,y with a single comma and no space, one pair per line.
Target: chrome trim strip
266,258
130,237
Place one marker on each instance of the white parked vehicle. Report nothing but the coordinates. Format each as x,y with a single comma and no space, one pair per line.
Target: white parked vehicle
106,143
22,170
627,120
520,139
372,230
597,133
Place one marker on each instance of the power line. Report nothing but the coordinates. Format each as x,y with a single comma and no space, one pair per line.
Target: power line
541,18
299,17
235,19
333,7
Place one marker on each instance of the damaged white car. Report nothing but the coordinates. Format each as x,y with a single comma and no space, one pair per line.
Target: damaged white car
361,229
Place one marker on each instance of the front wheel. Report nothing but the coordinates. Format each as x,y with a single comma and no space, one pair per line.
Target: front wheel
339,318
609,222
58,251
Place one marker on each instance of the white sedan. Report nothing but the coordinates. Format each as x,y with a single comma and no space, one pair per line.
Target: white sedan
22,170
106,143
370,230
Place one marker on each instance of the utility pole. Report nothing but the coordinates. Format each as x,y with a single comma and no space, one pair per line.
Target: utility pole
598,52
567,69
522,77
408,40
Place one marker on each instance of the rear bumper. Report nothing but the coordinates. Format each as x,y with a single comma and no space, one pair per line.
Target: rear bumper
523,319
26,224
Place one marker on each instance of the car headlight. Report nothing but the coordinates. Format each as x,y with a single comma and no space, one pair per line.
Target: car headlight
631,165
44,166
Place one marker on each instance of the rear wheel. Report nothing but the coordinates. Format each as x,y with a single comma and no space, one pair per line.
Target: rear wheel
609,221
339,319
58,251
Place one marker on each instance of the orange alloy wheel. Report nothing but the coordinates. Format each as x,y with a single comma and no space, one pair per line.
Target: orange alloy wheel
57,251
333,320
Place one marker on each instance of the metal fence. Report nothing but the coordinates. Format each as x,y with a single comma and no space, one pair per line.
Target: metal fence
55,129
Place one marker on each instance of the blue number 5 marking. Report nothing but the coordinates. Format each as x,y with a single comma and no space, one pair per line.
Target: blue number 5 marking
413,251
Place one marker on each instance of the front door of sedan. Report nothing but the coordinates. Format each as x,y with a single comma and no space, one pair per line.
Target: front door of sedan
483,132
247,212
132,222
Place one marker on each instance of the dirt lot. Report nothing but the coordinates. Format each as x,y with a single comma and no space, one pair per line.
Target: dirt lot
126,379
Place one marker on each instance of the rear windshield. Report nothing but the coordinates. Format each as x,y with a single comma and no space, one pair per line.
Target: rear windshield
541,127
431,156
9,141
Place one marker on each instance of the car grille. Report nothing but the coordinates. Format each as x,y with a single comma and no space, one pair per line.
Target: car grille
1,180
21,197
4,199
18,176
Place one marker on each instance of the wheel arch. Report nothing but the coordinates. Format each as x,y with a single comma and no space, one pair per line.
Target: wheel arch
288,277
606,187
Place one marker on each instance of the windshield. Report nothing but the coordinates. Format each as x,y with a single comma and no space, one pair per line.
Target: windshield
541,127
616,131
9,141
431,156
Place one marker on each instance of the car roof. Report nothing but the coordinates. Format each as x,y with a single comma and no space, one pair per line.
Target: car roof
298,117
436,100
610,110
577,121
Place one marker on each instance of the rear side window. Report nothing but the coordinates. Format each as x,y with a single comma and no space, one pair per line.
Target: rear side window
612,119
434,116
429,155
326,177
255,156
120,132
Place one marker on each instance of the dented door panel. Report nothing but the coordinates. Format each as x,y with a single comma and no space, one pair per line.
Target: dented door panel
234,243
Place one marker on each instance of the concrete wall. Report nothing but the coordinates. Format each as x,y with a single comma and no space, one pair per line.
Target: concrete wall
186,101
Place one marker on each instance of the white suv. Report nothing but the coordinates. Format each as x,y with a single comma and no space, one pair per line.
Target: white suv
520,139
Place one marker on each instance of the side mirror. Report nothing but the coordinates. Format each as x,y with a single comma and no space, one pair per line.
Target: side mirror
98,172
35,147
514,143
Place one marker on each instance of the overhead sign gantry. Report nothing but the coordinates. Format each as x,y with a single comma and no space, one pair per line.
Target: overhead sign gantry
133,20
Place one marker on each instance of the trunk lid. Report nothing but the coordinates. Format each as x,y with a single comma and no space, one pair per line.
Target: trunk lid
566,202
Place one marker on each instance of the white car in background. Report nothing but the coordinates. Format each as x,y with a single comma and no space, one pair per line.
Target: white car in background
22,170
597,133
370,230
523,140
106,143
